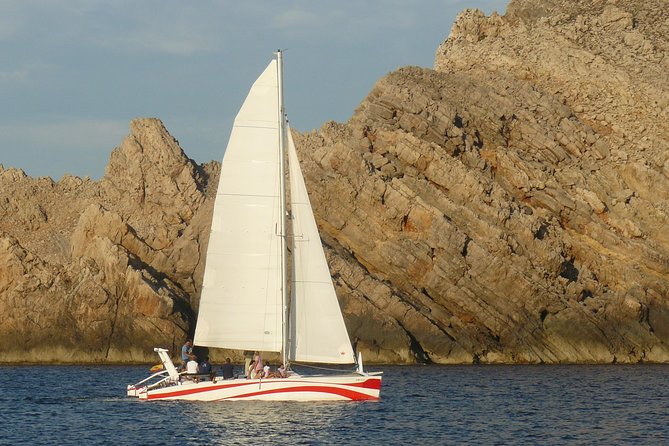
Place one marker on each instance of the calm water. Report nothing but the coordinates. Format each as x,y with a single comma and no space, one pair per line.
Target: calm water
420,405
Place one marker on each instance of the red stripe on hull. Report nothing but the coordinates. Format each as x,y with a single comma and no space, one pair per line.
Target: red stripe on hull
350,394
196,390
373,383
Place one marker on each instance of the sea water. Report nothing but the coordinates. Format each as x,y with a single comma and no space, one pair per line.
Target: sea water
424,405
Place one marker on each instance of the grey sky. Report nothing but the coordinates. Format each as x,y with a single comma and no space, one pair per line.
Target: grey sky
73,73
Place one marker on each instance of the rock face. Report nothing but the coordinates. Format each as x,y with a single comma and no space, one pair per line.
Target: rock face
102,271
509,205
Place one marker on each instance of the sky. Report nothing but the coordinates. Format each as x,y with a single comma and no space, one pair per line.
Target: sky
74,73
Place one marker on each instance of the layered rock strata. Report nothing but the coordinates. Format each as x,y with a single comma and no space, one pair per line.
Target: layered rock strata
508,205
102,271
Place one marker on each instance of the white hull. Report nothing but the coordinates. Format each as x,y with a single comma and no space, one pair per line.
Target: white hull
311,388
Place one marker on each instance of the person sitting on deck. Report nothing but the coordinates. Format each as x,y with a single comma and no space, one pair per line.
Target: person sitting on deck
227,369
192,368
251,370
205,368
281,372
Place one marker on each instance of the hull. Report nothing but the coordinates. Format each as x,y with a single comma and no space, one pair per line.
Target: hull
310,388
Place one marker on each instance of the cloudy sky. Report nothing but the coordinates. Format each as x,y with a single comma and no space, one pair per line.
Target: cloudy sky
73,73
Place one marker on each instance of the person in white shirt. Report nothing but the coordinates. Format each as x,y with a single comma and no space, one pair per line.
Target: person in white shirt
192,367
281,371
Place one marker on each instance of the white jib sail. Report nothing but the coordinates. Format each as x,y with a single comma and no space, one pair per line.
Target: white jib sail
240,305
317,330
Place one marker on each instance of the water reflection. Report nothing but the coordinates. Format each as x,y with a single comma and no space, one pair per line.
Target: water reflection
239,422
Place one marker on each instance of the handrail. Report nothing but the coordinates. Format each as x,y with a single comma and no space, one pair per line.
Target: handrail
162,372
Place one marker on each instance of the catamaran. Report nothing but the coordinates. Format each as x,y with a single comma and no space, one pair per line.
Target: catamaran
245,302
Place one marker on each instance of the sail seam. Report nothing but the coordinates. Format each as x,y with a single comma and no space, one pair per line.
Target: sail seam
227,194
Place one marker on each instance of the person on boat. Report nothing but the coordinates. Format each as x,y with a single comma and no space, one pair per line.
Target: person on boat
248,359
186,350
267,372
251,370
227,369
281,371
192,367
204,368
258,368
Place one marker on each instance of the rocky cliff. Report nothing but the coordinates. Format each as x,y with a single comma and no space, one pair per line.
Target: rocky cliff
103,271
509,205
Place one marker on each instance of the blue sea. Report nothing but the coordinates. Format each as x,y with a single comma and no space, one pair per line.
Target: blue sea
424,405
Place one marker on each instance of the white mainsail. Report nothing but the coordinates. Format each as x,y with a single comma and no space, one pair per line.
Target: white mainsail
317,330
240,304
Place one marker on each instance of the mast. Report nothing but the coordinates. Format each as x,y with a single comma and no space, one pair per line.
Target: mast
283,234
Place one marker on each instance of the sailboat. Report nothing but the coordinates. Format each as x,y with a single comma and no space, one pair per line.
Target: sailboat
255,296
